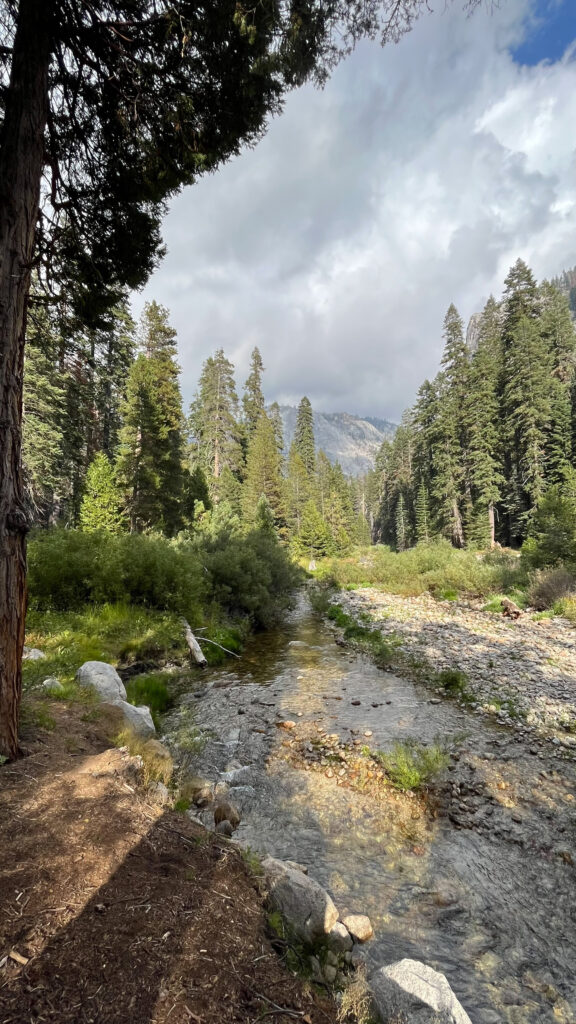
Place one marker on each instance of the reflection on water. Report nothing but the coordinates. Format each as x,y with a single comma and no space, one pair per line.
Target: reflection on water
497,918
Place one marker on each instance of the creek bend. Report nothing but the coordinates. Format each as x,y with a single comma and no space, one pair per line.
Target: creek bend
486,892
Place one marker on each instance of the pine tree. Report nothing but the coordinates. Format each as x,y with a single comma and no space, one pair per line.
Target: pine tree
313,538
214,420
557,331
43,416
253,403
401,525
102,505
298,489
304,435
521,299
482,411
150,465
276,419
528,408
422,515
264,475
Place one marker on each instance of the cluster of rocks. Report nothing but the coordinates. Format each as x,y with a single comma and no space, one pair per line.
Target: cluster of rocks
405,990
522,672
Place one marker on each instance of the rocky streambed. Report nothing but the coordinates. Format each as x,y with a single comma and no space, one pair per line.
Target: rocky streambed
475,879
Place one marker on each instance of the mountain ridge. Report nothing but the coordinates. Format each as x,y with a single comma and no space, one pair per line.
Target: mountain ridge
351,440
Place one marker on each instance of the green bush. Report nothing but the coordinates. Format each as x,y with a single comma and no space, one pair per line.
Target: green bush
437,568
245,577
68,569
548,586
453,681
412,766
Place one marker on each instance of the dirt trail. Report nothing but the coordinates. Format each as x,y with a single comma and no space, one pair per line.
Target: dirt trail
114,909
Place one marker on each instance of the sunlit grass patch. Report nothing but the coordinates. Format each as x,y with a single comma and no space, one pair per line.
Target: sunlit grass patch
411,766
157,763
111,633
494,604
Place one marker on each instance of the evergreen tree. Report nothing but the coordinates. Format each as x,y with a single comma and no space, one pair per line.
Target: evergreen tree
401,525
527,411
298,489
150,465
253,403
276,419
102,506
264,475
313,538
304,435
482,411
422,515
214,420
43,420
521,299
557,331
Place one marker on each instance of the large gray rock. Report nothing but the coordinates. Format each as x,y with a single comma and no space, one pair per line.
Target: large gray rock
304,904
32,654
53,685
104,679
409,992
138,719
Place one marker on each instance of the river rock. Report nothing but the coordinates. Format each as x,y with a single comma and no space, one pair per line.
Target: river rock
225,811
359,926
339,938
104,679
224,828
412,991
32,654
53,685
139,719
305,905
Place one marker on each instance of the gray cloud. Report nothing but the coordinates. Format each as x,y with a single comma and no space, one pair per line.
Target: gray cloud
416,178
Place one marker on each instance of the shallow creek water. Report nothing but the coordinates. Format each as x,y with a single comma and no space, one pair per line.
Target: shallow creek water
492,908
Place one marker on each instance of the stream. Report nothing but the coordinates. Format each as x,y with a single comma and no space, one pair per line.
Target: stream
484,893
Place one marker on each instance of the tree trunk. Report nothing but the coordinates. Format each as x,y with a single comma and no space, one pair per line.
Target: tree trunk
21,163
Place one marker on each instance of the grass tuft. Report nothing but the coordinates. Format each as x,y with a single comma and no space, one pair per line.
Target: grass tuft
411,766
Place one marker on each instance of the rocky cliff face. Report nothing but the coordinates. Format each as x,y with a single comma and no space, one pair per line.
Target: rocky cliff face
349,440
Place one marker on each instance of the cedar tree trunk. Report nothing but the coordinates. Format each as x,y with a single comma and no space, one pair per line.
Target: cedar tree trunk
21,163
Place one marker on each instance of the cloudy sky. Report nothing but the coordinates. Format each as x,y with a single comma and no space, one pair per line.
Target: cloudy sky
414,179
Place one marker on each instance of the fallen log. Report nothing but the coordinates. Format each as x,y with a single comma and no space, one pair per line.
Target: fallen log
194,646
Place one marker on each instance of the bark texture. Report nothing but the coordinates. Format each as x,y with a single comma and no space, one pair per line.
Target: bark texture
21,163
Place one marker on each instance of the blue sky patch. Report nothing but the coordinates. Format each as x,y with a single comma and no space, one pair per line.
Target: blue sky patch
552,30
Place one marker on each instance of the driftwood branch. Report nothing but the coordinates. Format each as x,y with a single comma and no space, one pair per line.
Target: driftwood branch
195,649
234,655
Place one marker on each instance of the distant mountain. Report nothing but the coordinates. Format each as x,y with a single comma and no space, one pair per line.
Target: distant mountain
349,440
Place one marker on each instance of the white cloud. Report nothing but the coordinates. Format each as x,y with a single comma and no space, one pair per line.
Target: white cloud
416,178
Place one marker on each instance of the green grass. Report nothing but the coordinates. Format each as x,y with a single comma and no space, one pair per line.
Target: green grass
453,681
438,568
381,649
151,689
494,604
108,632
411,766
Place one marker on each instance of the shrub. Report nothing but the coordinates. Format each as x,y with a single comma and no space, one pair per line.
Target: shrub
453,681
437,568
548,586
68,569
411,766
